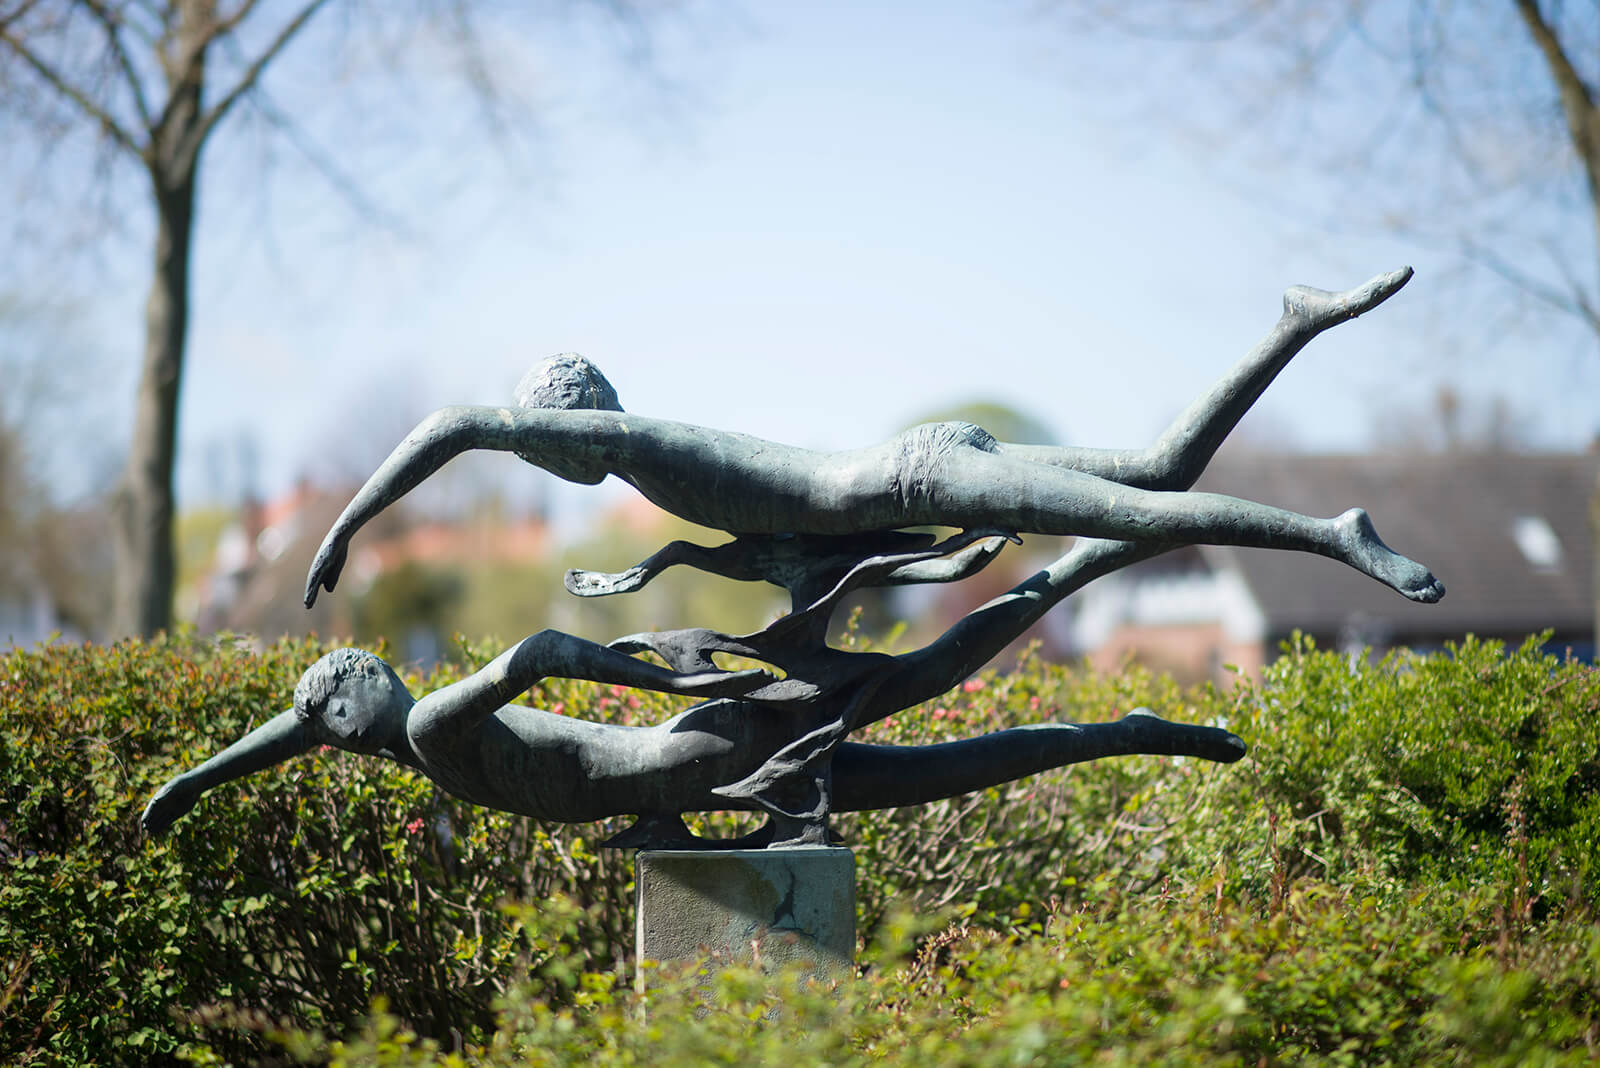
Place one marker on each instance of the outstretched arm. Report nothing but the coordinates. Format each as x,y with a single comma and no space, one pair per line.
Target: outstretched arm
715,560
281,737
438,439
554,654
570,444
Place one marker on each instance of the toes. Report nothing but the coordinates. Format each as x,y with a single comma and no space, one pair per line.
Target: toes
1428,593
1324,309
1380,289
1230,749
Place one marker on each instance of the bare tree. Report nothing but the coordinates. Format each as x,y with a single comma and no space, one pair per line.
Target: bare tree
154,80
1470,126
52,526
1453,423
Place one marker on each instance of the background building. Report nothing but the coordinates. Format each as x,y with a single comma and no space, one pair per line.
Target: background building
1509,536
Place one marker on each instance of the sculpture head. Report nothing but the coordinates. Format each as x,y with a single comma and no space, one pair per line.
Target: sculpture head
355,701
567,381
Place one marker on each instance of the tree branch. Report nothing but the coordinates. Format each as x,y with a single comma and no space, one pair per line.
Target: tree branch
76,96
1586,307
476,68
113,27
1577,99
343,184
1573,303
146,35
252,74
20,13
231,23
1164,27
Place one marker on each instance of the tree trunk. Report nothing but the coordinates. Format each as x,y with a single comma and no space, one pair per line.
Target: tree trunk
144,507
1582,112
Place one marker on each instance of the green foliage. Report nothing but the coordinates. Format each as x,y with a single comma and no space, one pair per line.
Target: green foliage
1037,840
1190,979
1004,421
300,894
406,597
1474,767
1403,871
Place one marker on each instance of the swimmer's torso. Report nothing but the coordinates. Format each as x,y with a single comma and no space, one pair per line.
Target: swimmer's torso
552,767
748,485
527,761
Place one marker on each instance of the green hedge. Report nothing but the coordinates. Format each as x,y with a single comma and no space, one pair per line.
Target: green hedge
300,893
1194,978
1404,869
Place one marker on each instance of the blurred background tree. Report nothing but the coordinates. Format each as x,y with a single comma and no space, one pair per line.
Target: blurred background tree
106,89
1469,127
55,568
1455,422
1004,421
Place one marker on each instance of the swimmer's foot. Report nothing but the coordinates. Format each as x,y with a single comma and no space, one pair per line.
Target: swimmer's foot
1362,549
1322,309
1156,735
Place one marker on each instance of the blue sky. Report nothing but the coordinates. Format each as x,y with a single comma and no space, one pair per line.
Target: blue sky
846,216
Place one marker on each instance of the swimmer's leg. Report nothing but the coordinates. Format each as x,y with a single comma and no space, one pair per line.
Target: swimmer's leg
1179,456
996,489
889,776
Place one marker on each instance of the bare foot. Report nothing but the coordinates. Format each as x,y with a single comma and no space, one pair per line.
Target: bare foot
1363,550
1324,309
1157,735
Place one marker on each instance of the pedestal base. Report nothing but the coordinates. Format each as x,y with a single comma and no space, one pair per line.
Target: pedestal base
769,906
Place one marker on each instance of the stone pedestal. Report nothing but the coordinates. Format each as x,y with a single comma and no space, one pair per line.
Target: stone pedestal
772,906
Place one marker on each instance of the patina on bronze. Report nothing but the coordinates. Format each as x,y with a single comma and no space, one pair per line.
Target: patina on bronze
818,525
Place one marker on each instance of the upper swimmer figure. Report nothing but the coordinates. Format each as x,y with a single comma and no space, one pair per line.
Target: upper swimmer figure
569,422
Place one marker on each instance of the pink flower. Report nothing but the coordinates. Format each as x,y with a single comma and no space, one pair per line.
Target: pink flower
618,691
415,826
972,686
1033,703
942,713
559,708
633,700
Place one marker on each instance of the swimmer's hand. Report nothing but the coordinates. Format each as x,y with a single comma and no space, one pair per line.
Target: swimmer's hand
173,800
327,565
582,583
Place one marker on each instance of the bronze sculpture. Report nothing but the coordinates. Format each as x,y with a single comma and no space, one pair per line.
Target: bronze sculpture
819,525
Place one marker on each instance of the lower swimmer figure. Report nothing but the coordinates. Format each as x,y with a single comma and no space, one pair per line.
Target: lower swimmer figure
477,747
